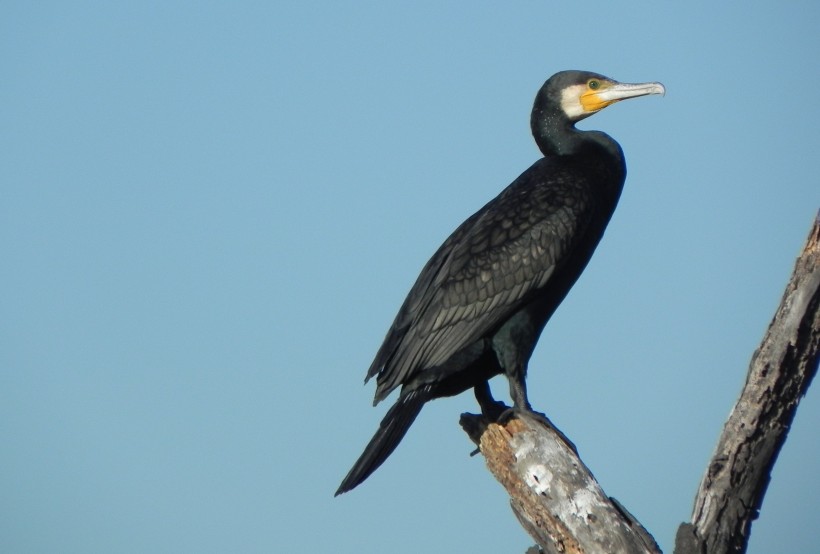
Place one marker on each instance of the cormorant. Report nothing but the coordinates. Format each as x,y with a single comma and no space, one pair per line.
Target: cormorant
479,305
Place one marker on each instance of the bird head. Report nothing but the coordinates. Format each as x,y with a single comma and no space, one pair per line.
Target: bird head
580,94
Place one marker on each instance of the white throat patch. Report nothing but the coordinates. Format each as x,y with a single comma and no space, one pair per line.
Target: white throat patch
571,102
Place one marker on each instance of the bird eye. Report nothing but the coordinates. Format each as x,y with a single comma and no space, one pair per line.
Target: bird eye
594,84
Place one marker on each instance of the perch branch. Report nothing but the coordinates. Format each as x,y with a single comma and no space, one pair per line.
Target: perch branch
553,494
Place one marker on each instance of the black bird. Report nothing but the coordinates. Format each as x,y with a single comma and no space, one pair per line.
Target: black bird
481,302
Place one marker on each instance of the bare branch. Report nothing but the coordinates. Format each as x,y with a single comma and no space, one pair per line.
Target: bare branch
553,494
781,370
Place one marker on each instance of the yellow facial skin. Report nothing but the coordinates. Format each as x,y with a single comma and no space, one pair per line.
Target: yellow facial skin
591,99
600,93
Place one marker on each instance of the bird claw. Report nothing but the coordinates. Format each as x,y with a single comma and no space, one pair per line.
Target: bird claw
495,411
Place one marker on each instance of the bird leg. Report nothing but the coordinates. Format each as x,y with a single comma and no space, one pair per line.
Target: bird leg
490,407
518,391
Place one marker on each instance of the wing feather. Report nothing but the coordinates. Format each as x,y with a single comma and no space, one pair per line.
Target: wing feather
493,263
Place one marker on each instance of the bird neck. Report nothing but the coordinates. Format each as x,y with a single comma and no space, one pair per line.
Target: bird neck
597,152
555,135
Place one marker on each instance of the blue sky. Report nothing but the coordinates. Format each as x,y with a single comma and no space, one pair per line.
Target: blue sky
211,212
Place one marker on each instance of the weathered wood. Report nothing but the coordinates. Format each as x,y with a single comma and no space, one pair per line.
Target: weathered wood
781,370
553,494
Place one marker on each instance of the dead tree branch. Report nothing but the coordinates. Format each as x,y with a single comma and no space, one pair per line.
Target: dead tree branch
781,370
552,492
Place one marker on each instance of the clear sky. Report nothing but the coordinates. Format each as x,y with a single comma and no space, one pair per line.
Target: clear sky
210,213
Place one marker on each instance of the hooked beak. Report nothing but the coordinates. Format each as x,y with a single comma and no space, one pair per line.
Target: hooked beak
595,100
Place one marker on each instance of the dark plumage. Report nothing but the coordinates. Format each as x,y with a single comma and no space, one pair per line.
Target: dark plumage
481,302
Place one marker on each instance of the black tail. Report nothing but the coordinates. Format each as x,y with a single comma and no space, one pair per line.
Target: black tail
391,430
